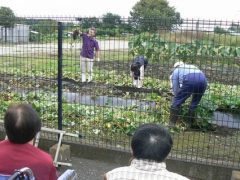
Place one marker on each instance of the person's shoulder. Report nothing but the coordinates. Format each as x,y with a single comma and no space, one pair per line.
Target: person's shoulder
119,169
84,35
176,176
42,154
95,40
4,142
176,70
118,172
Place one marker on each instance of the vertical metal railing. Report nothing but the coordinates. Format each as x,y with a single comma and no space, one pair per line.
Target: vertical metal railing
46,73
60,66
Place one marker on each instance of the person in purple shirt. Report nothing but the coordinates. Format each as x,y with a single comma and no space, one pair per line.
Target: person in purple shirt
90,50
186,80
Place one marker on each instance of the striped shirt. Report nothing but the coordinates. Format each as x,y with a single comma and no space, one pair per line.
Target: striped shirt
143,170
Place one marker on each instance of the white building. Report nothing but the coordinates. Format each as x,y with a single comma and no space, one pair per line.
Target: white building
18,34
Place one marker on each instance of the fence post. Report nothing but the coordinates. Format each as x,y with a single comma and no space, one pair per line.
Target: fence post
60,54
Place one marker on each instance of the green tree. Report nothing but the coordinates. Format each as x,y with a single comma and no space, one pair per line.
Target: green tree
7,19
220,30
235,28
88,22
153,15
44,26
111,20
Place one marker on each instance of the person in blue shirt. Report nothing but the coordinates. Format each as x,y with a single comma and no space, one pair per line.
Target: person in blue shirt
186,80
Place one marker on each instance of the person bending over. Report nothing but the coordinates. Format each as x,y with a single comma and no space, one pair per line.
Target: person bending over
186,80
137,69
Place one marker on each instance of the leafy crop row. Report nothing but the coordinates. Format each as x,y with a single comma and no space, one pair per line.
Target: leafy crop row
155,48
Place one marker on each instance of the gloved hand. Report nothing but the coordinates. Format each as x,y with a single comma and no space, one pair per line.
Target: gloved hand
75,34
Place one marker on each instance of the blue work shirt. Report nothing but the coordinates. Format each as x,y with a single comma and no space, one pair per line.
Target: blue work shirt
179,73
141,60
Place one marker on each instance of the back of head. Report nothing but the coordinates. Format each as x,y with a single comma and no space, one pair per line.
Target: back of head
151,142
21,123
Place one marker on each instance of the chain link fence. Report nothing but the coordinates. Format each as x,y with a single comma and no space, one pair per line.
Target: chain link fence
40,64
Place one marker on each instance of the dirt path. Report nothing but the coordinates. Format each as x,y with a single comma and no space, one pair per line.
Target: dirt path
12,49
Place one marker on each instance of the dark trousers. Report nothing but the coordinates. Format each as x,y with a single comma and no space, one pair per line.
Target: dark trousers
194,84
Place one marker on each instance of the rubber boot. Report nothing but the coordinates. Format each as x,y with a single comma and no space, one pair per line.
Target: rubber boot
173,116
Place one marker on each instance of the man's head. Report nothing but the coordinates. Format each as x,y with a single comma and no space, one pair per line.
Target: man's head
21,123
135,68
92,32
151,142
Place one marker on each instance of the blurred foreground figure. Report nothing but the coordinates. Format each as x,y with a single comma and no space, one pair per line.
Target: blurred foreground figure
150,145
22,123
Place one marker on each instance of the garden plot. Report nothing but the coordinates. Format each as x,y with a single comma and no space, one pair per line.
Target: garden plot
113,109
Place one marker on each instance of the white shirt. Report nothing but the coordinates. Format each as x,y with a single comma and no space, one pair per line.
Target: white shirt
143,170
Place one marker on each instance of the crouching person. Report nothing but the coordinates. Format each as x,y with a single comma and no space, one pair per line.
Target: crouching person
186,80
22,123
150,145
138,67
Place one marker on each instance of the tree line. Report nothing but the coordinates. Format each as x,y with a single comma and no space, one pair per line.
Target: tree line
146,15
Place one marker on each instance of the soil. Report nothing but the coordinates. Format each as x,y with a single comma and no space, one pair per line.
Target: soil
215,73
227,75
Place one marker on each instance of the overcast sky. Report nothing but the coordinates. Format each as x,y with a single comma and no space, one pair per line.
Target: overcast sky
197,9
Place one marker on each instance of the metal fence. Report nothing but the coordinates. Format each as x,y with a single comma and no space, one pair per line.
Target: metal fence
45,71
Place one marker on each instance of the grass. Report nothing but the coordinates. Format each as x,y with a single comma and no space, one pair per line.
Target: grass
114,126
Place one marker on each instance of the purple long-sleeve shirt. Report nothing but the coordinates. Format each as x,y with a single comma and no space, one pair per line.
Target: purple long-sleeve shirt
89,45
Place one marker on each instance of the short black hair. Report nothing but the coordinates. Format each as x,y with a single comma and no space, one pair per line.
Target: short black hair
21,123
151,142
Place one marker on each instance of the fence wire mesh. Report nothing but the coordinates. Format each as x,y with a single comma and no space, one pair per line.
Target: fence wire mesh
106,111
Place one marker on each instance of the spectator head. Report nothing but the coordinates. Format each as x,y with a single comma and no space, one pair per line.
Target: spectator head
151,142
21,123
92,31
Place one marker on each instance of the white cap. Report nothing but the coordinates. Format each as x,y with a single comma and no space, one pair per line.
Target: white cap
179,63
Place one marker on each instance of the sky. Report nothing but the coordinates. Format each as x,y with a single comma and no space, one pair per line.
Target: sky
196,9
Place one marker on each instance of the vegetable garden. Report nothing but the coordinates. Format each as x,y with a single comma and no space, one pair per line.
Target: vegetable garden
106,112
